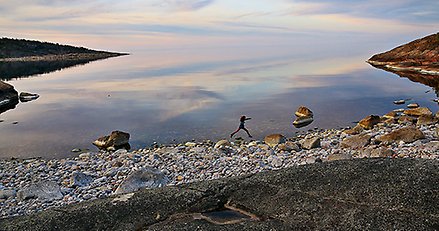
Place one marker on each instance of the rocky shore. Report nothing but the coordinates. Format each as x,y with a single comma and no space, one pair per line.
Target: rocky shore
32,185
420,56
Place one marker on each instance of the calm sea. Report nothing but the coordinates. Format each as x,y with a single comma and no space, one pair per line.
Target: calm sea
175,95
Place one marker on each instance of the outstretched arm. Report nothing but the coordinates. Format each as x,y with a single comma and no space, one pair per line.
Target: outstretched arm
248,118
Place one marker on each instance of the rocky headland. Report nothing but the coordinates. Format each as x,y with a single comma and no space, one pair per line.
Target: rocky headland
417,60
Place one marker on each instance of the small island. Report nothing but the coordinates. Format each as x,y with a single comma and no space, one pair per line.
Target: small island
21,50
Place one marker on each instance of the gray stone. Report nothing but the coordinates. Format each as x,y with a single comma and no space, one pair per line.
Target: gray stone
7,193
143,178
43,190
311,142
80,179
356,142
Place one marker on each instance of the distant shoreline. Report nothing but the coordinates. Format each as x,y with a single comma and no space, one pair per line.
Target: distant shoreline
63,57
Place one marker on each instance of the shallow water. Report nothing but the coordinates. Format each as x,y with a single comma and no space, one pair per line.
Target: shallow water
176,95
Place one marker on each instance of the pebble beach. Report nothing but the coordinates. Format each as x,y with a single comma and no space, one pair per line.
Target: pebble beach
93,175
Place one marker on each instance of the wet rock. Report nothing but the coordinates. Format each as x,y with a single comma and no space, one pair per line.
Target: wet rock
76,150
221,144
303,121
115,140
8,96
427,120
437,132
7,193
143,178
369,121
413,105
356,142
80,179
354,131
418,111
43,190
26,96
401,101
311,142
303,111
406,134
274,139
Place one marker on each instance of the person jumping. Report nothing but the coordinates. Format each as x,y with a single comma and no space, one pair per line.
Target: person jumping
241,126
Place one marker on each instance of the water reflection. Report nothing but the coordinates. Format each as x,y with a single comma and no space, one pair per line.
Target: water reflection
168,97
426,79
24,69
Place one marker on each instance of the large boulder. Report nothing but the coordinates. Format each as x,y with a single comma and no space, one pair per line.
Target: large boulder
143,178
420,111
356,142
43,190
407,134
8,96
274,139
310,142
303,111
369,121
116,140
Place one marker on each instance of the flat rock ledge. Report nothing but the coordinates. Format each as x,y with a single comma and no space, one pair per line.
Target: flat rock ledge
360,194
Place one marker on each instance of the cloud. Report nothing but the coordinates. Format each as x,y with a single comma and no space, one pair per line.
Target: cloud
184,5
403,10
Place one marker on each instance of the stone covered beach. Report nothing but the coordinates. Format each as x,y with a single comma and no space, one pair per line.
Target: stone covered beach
32,185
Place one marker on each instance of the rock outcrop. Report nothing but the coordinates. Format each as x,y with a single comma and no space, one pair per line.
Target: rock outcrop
362,194
8,96
417,60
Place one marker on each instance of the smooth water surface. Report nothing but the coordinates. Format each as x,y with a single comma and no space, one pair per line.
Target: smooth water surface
176,95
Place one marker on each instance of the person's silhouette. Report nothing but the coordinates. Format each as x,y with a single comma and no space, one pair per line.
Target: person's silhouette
242,126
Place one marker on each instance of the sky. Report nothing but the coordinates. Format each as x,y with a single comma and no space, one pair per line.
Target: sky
129,24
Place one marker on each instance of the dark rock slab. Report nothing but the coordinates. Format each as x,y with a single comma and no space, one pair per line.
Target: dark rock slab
8,97
361,194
